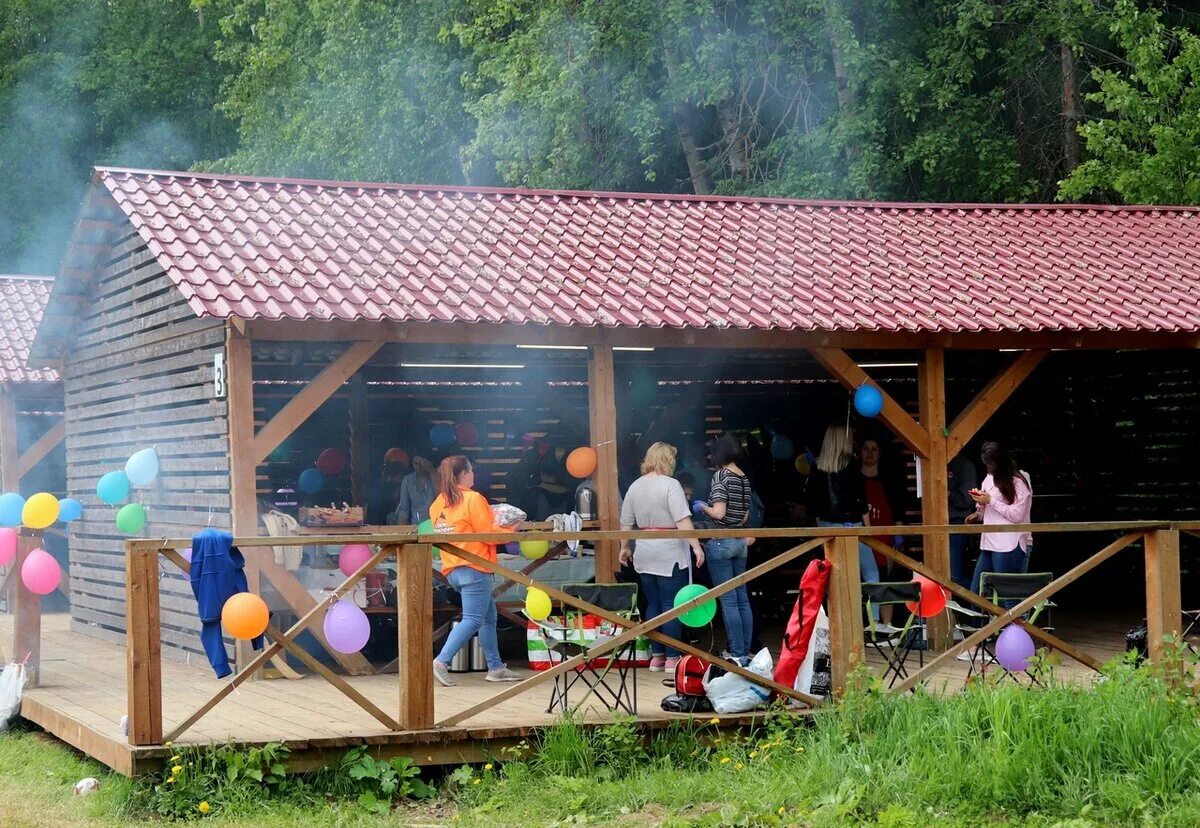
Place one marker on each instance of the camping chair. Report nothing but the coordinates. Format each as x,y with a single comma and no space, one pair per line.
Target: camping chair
611,677
894,643
1006,589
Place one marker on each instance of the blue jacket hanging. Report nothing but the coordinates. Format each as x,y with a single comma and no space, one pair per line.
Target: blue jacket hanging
217,574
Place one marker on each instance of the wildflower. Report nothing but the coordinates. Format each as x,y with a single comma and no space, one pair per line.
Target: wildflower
204,807
714,720
753,753
170,780
175,759
476,782
738,766
175,771
781,810
488,766
724,760
167,744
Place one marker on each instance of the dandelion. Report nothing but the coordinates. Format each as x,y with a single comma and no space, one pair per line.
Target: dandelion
714,720
476,782
781,810
171,780
738,766
175,759
488,766
724,760
175,771
753,753
167,744
204,807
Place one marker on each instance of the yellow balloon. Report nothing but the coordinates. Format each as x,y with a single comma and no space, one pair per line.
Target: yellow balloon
40,512
537,605
534,549
802,464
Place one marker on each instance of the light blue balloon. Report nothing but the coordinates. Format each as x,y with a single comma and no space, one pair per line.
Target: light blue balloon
441,435
113,488
69,509
868,400
142,468
11,505
311,481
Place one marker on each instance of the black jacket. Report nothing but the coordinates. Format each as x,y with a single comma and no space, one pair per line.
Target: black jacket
840,497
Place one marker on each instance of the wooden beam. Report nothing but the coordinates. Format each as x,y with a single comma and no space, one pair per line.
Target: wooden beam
360,441
935,477
1164,614
967,424
27,611
846,371
10,478
845,611
44,445
243,483
602,420
414,600
143,649
311,397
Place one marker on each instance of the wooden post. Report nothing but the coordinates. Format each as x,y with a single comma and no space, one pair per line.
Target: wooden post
360,441
414,600
143,648
243,467
602,419
10,477
935,482
845,610
1163,603
27,610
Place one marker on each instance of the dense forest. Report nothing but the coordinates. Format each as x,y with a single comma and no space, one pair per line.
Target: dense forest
934,100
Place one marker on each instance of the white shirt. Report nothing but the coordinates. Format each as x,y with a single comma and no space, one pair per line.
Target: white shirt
999,512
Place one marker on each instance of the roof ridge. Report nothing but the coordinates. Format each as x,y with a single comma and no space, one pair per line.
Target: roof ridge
27,276
103,171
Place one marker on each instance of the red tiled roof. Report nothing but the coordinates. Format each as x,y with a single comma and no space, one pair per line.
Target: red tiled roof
22,301
286,249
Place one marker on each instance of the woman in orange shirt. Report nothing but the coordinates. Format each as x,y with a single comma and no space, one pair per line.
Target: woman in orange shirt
458,509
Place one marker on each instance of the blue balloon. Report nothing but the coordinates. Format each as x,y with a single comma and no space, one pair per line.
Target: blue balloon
113,488
11,505
142,468
441,435
311,481
868,400
781,447
69,509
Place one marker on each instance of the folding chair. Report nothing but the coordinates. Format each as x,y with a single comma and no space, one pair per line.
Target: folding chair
611,677
1006,589
894,644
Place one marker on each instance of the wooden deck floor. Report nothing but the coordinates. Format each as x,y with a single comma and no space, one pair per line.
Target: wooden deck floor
81,699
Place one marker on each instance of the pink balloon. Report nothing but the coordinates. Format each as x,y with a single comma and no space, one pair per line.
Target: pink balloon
347,627
41,573
8,545
353,557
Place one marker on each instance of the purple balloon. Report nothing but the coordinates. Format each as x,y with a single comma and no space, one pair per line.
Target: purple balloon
513,548
347,627
1014,648
186,554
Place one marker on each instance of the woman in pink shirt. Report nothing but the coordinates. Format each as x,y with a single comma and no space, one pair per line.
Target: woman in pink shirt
1005,497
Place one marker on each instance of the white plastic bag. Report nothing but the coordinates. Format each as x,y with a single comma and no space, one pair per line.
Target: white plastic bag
730,693
507,515
12,682
814,677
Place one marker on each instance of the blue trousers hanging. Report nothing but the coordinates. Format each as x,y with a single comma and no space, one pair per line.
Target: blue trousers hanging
217,574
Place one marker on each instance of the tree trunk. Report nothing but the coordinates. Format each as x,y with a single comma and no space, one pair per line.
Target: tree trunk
837,25
734,139
1070,109
695,164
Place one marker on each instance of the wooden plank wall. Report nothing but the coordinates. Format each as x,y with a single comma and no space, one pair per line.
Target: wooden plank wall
139,374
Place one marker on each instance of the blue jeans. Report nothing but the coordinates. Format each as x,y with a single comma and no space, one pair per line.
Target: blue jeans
726,559
478,616
660,596
1013,561
959,573
868,570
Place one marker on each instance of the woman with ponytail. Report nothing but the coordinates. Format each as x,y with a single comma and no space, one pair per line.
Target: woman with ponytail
460,510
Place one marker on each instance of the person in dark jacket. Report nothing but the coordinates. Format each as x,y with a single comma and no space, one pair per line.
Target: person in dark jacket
962,478
217,574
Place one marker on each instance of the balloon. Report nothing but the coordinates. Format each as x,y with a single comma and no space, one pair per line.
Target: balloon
396,455
186,554
331,462
245,616
8,545
69,509
113,488
537,604
1014,648
425,527
582,462
142,468
41,573
131,518
347,627
467,434
534,549
311,481
933,598
868,400
781,447
802,464
11,506
510,548
352,557
40,511
441,435
700,615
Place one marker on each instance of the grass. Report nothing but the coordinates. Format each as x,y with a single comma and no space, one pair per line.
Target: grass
1122,753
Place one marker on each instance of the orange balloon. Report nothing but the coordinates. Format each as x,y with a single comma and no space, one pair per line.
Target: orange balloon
245,616
582,462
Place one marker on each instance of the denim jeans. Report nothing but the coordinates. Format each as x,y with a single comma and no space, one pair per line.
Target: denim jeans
959,572
1013,561
726,559
478,616
868,570
660,596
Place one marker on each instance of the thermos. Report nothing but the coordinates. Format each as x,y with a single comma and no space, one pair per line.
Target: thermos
469,658
478,660
585,500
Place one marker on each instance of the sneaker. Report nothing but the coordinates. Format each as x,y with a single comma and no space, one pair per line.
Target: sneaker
657,664
669,666
969,655
502,674
442,673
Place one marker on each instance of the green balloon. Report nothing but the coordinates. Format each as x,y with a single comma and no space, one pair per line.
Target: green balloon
700,615
131,518
425,527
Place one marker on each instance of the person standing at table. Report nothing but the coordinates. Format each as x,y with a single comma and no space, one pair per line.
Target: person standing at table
1004,498
962,478
416,492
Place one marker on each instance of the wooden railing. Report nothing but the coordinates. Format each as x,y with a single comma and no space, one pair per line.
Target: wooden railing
414,708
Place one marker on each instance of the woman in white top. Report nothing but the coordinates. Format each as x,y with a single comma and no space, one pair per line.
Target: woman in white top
656,501
1005,497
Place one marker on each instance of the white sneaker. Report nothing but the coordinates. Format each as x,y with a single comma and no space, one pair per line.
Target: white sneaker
503,674
969,655
442,673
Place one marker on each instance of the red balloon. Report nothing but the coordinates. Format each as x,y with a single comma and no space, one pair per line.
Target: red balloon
331,462
466,434
933,598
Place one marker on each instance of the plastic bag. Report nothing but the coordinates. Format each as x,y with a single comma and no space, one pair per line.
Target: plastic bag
731,693
12,682
507,515
815,676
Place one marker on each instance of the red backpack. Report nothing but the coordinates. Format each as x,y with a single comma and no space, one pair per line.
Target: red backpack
689,676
